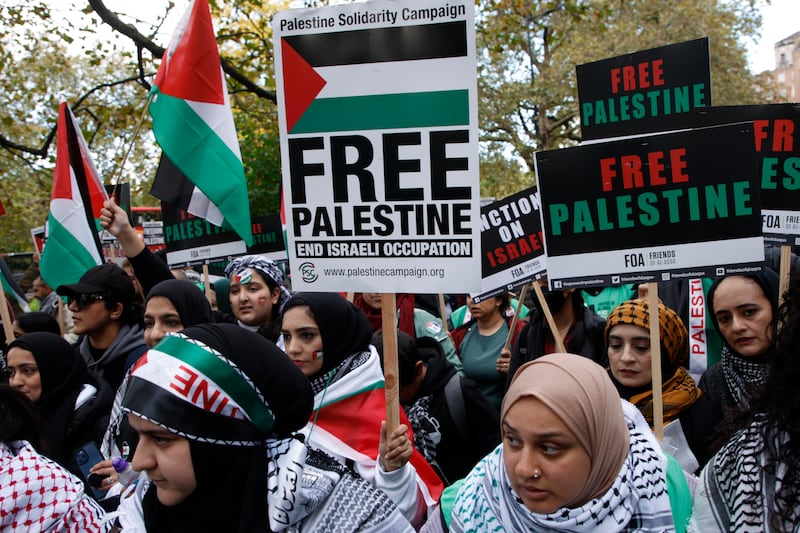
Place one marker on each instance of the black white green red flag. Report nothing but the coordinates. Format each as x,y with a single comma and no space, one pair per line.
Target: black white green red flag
73,245
193,123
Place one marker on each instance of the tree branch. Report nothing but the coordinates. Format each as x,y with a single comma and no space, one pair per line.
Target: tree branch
111,18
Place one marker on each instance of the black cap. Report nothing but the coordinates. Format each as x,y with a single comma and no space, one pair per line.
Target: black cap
107,278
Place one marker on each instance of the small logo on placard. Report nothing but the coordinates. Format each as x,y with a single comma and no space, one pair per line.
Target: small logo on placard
308,272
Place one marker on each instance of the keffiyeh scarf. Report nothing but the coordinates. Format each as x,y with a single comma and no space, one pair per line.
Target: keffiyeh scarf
636,501
743,376
737,488
37,494
307,490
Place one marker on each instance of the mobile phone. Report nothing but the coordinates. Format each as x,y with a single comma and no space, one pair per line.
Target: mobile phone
87,456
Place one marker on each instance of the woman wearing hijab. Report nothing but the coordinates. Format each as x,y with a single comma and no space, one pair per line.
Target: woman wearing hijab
753,482
73,404
744,309
171,306
328,339
207,403
687,413
256,294
574,457
37,494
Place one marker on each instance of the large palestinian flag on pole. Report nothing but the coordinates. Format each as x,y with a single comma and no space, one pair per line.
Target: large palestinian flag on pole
193,124
379,143
73,244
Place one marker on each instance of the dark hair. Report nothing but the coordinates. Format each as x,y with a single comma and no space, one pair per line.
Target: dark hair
38,321
768,282
777,404
132,313
18,418
505,302
407,355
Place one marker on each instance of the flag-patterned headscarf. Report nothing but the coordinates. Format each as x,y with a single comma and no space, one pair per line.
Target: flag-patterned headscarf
218,383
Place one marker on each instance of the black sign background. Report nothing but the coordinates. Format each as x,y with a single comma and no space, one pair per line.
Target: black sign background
718,155
684,64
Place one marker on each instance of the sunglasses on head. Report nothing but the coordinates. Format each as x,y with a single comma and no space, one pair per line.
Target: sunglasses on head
82,301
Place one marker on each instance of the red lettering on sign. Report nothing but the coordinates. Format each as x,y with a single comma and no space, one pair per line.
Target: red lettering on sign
633,173
641,76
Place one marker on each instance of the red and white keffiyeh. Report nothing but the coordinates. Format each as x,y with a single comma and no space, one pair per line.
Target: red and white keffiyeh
37,494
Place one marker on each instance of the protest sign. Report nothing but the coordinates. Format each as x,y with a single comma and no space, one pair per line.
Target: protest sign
192,240
153,234
379,144
647,91
776,131
512,243
671,206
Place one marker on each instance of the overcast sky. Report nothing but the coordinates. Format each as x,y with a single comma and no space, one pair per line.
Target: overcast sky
780,20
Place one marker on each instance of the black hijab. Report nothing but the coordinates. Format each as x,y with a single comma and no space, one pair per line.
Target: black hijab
189,301
231,493
63,373
344,328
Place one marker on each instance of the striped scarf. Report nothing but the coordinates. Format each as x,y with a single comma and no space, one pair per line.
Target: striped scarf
636,501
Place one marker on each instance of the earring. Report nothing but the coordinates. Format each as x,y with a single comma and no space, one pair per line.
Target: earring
536,473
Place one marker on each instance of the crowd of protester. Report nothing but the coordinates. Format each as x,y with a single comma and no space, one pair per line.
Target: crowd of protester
265,410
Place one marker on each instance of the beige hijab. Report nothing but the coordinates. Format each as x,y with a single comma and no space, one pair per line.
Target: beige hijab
581,394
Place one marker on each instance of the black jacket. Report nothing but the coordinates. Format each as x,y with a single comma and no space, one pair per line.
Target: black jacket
452,447
587,339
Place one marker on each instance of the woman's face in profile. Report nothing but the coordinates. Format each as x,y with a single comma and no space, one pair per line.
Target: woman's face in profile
547,466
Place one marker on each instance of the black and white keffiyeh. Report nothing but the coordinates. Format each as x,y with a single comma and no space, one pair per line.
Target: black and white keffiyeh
743,376
310,491
636,501
738,486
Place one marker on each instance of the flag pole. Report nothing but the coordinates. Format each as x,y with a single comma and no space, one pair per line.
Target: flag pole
130,146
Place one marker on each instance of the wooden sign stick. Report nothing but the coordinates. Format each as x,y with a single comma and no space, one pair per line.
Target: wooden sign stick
390,372
537,287
655,361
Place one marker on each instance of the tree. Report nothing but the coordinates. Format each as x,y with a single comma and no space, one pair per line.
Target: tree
529,50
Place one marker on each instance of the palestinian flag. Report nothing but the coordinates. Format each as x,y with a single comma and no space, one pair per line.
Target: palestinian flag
346,422
11,287
193,124
73,245
395,69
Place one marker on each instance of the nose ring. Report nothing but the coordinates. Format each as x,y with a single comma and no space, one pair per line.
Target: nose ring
536,473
